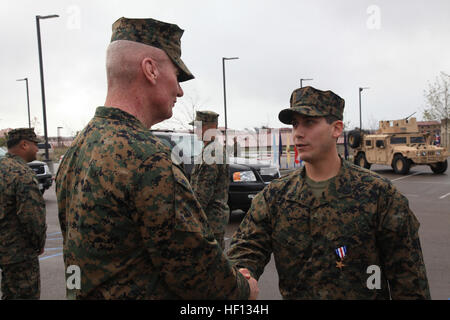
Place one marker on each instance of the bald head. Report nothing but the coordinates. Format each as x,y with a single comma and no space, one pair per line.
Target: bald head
142,80
123,62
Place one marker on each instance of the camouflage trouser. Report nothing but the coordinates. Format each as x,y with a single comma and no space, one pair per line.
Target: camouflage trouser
220,237
21,280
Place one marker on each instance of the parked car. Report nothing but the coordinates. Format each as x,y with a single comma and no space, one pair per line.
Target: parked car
43,174
247,176
42,171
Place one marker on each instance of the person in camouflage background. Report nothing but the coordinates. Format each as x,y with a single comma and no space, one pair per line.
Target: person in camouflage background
331,222
22,218
210,180
129,218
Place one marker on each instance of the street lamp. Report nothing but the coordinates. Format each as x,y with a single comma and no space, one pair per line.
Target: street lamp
59,136
38,28
225,94
360,118
301,82
28,101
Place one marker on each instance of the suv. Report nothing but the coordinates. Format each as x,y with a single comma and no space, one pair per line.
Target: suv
42,171
397,143
247,177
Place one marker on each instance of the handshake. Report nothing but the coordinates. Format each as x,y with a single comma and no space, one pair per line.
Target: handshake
253,284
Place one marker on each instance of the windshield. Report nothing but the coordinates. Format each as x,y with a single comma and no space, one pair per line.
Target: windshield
417,140
398,140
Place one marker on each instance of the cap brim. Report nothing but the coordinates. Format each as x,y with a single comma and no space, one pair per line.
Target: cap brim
184,74
286,115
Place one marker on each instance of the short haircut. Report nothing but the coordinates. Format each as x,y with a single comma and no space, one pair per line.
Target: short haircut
331,118
13,143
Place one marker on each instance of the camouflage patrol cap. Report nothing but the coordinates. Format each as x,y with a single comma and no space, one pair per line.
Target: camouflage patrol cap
206,117
23,134
162,35
309,101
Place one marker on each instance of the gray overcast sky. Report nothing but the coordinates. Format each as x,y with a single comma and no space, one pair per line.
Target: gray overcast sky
393,47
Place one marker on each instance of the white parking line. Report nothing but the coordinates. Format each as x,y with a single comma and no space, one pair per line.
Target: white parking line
52,256
414,174
448,194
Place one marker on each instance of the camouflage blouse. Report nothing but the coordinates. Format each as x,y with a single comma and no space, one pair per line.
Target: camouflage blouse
22,212
131,222
327,247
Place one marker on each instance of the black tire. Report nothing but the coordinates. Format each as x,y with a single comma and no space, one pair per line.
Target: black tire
354,139
439,167
400,164
361,161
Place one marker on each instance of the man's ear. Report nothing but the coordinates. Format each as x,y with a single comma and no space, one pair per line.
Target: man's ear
23,145
338,127
150,69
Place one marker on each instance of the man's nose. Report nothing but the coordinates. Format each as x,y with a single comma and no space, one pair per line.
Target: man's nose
180,92
297,133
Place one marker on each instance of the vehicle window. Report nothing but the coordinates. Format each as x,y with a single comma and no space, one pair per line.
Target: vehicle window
368,143
2,152
380,144
398,140
417,139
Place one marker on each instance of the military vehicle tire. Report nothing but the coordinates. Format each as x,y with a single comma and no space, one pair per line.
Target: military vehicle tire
400,164
439,167
354,138
361,161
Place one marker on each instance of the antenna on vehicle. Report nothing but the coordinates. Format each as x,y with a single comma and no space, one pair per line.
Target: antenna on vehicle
410,116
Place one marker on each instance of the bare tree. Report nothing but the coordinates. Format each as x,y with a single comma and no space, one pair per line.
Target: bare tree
184,112
437,98
36,124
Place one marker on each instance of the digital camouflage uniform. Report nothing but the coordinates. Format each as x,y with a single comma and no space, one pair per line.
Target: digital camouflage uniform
210,183
131,222
22,224
359,212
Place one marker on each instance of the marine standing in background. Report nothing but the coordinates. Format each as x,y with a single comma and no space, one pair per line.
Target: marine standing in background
128,215
210,178
337,231
22,218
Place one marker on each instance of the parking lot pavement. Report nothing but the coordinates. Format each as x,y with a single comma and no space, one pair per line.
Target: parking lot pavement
428,195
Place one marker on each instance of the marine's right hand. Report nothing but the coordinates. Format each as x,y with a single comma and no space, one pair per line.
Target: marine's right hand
254,290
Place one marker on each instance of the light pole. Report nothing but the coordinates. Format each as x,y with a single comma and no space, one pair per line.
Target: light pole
225,94
301,82
28,101
59,136
360,118
38,28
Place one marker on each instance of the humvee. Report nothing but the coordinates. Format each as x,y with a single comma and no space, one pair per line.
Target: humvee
397,143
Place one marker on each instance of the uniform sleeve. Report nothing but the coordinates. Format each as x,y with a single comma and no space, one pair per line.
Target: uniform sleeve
178,239
204,183
400,249
251,245
61,199
31,211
